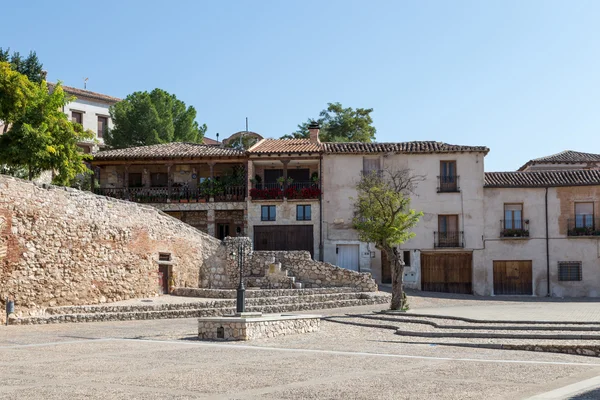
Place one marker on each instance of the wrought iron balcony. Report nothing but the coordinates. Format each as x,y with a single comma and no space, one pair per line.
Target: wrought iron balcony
174,195
293,190
448,184
583,225
448,239
514,228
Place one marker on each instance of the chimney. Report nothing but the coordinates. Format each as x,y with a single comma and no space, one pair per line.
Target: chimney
314,128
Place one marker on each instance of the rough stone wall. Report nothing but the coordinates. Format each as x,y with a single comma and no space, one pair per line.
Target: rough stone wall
62,246
316,274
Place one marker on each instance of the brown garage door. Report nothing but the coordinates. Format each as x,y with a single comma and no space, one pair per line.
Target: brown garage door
284,237
446,272
512,277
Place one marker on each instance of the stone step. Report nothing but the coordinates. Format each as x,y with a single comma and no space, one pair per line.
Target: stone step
252,293
215,303
423,329
196,312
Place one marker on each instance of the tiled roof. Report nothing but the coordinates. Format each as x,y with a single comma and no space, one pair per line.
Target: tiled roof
81,93
564,157
169,151
285,146
210,141
401,147
574,177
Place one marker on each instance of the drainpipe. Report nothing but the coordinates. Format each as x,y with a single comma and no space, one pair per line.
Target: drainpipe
547,249
321,208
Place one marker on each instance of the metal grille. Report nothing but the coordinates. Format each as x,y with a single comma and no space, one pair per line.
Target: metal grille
164,256
569,271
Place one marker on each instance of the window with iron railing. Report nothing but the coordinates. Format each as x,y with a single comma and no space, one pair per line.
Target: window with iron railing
448,179
569,271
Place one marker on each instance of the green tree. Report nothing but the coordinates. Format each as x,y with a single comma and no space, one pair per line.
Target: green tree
383,217
152,118
339,124
16,93
42,138
30,66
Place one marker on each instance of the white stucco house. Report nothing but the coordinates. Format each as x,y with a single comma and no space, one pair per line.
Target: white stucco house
91,110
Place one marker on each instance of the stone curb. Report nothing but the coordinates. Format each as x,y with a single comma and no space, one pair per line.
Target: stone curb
487,321
406,318
475,335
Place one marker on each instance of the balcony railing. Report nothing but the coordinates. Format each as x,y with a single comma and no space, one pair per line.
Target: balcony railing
176,195
448,239
583,225
514,228
448,183
294,190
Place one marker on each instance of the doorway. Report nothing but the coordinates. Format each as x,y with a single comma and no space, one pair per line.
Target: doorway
163,278
347,256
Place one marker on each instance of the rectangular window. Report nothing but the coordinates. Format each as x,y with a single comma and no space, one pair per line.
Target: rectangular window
164,256
569,271
303,213
135,179
448,177
448,234
102,125
406,258
584,215
77,117
513,216
267,213
448,223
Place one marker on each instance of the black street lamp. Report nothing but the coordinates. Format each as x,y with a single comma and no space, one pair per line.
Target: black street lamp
240,304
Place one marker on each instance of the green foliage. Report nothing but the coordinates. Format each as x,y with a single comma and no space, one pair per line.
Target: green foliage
339,124
382,209
16,93
30,66
41,136
152,118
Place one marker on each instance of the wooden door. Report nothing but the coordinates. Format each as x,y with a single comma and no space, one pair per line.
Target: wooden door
446,272
347,256
513,277
284,237
163,275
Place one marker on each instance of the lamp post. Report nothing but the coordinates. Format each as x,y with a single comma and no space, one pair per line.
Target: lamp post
240,305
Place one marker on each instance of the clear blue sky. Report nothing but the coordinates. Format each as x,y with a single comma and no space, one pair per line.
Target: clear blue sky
521,77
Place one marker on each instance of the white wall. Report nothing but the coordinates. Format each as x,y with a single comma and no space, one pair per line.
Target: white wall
342,172
91,110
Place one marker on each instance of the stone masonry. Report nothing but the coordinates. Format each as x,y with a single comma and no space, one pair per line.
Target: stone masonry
61,246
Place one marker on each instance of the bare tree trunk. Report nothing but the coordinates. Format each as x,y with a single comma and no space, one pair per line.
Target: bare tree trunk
397,279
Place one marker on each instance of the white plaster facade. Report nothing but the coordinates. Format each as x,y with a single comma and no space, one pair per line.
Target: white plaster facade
341,172
90,110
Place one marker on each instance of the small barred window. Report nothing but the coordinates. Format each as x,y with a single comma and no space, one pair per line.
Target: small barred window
569,271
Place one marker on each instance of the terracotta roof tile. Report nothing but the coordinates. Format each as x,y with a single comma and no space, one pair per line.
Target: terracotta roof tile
81,93
575,177
168,151
564,157
283,146
401,147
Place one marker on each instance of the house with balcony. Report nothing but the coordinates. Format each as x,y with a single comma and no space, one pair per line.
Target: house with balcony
448,190
202,185
284,202
91,110
542,233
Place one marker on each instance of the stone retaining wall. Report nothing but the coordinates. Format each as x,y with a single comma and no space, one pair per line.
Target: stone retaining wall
252,293
232,328
61,246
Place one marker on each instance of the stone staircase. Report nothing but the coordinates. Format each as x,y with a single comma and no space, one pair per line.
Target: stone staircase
266,301
548,336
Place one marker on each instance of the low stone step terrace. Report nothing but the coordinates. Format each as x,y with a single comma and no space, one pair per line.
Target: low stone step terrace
279,301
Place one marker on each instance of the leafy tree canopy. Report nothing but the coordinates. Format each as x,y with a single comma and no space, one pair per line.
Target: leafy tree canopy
152,118
29,66
40,136
339,124
383,216
16,93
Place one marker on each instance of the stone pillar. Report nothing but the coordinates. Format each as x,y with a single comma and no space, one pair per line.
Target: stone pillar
126,181
210,222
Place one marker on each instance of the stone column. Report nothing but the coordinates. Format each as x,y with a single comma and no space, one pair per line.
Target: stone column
210,222
126,181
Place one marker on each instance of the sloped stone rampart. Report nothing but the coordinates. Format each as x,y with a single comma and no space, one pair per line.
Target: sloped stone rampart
61,246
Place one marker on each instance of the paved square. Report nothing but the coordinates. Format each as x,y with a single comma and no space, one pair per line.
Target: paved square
163,359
